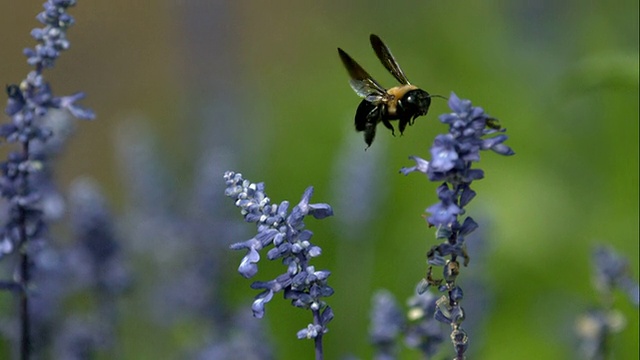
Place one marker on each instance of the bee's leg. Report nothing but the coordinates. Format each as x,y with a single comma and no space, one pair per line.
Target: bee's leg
367,112
388,125
403,124
369,133
377,115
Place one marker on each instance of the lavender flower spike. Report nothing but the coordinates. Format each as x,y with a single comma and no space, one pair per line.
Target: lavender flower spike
452,157
285,234
597,326
21,175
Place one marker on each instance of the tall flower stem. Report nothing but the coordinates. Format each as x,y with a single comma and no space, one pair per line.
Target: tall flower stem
317,321
290,242
28,105
25,342
452,157
24,277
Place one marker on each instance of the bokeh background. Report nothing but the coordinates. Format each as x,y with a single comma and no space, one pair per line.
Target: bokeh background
258,87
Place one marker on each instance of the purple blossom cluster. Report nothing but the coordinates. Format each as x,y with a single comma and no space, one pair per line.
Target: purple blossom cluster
453,155
22,183
28,104
285,233
90,267
596,326
418,327
611,272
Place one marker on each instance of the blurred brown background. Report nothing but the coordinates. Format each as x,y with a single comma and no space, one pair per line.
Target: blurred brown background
262,80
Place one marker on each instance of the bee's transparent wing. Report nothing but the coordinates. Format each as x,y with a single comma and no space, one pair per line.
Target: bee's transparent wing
386,58
361,82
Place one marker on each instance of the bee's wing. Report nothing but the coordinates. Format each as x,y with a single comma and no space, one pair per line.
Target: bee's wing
387,59
361,82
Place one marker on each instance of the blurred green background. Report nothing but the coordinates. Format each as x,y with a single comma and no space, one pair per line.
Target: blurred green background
263,81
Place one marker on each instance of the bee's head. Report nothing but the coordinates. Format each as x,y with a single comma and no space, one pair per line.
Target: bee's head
416,102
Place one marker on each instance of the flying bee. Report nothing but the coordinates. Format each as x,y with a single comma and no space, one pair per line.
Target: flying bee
404,102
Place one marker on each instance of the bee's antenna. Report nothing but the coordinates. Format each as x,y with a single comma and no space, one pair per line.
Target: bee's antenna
439,96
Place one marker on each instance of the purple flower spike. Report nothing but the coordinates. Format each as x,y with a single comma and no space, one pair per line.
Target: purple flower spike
289,241
452,157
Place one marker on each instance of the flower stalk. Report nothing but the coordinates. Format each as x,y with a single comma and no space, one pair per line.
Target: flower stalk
28,105
453,155
285,232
